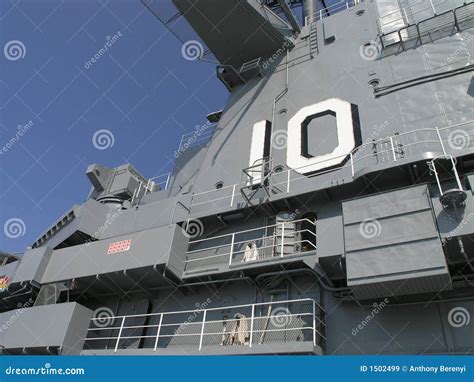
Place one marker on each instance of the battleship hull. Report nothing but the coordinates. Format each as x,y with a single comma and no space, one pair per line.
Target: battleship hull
327,209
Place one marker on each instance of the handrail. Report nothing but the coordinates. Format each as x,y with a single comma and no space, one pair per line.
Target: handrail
284,241
411,31
244,241
208,309
149,185
253,229
197,323
329,11
202,133
264,247
354,161
308,324
402,11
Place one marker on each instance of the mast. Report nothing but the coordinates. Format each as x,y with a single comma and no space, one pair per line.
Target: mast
310,7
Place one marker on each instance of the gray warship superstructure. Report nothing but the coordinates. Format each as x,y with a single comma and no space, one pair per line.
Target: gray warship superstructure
326,209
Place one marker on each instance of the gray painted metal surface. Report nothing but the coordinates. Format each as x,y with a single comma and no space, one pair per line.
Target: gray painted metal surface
391,260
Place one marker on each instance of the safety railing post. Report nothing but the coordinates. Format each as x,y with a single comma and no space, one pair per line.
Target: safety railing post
456,175
282,238
232,197
251,325
158,332
202,328
456,22
432,6
352,163
314,323
441,141
288,182
167,180
433,169
232,240
393,149
119,334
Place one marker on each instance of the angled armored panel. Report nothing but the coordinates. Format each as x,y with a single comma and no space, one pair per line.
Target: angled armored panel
60,327
228,28
144,249
32,265
392,245
80,224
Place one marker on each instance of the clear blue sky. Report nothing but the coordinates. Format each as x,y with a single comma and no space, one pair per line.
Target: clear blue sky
142,90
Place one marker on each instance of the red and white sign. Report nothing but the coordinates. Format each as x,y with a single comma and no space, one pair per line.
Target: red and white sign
119,246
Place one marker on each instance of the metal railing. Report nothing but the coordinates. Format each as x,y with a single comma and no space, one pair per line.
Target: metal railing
401,16
278,240
371,153
399,29
200,136
329,11
239,325
163,181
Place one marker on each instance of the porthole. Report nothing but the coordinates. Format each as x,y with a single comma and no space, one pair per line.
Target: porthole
219,185
374,83
278,169
360,12
282,111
